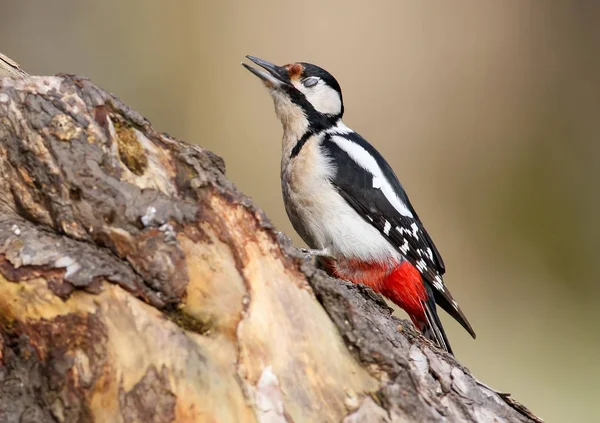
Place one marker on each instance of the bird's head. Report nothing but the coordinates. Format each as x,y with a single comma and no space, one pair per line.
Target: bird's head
304,94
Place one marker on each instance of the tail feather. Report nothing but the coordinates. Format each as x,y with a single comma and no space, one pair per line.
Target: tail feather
429,322
453,310
433,329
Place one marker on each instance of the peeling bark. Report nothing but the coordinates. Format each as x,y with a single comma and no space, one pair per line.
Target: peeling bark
138,285
9,67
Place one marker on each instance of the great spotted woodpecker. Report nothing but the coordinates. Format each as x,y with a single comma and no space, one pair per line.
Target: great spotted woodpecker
347,204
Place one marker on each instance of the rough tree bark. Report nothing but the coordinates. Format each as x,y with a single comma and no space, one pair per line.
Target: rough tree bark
138,285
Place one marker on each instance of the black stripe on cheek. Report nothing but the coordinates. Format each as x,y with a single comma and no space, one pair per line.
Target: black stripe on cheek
300,144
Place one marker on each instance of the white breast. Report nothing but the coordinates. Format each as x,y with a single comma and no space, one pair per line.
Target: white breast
320,215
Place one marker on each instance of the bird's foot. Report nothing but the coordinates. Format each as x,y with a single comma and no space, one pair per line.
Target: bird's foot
309,253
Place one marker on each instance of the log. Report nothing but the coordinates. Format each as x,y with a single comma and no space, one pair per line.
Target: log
138,285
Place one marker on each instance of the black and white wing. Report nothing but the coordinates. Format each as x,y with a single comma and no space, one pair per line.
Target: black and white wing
369,185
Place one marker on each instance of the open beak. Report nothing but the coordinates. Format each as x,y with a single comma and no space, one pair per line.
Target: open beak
275,77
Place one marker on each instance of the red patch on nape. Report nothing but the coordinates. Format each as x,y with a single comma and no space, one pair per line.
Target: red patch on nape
295,70
404,286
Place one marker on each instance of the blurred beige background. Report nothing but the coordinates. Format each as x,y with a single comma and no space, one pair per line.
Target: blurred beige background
489,113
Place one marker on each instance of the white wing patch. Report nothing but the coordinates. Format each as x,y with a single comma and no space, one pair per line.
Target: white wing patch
368,162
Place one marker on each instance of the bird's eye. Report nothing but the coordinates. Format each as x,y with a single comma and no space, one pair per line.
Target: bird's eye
310,82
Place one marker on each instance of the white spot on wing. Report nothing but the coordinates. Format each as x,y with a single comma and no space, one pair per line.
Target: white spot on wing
387,227
405,247
438,284
368,162
415,229
421,265
370,218
430,253
402,230
454,304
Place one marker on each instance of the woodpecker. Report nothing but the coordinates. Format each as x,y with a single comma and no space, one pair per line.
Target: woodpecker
346,202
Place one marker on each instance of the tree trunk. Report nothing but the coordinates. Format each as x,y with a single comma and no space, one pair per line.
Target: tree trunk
138,285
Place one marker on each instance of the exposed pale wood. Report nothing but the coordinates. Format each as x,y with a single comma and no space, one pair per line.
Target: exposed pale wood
137,284
9,67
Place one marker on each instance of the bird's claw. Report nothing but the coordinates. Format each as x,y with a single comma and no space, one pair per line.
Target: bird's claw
308,255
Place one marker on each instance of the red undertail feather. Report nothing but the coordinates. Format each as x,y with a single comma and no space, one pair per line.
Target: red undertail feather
402,284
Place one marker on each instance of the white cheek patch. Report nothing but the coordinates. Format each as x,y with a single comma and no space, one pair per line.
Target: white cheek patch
322,97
